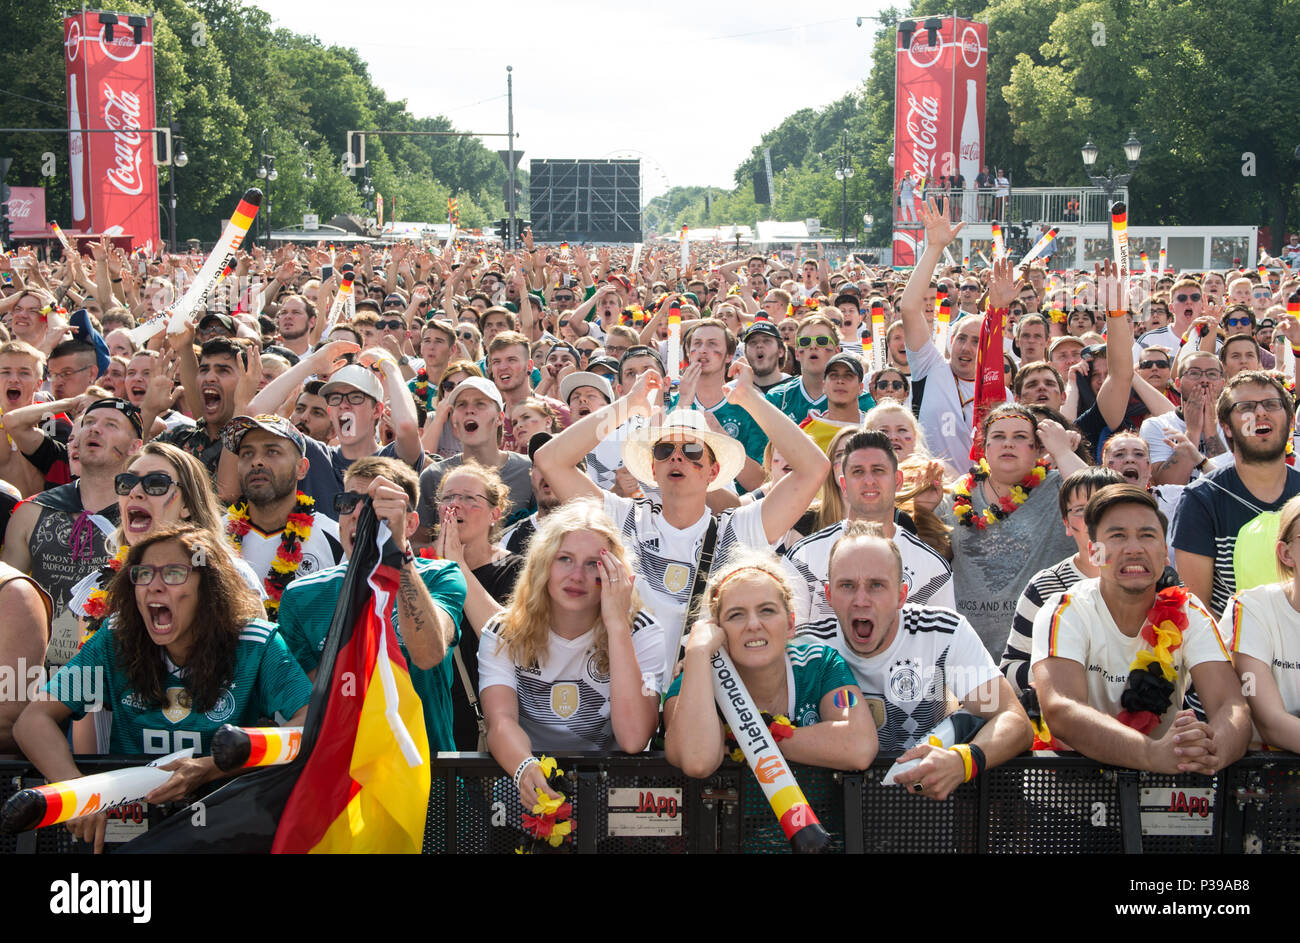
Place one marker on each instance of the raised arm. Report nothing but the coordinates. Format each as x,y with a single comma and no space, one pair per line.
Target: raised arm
939,231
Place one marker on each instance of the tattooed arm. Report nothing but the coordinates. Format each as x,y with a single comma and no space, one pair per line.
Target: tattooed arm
426,629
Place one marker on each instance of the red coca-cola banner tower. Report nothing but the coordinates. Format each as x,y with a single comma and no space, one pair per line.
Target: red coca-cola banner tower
940,71
109,59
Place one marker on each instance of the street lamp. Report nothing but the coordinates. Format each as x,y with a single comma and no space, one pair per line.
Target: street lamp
844,173
1112,182
266,171
179,159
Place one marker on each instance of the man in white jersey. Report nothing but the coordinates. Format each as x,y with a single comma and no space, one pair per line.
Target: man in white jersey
1103,687
912,662
869,478
685,459
272,463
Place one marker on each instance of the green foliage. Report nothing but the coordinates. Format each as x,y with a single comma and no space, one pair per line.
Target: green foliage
230,75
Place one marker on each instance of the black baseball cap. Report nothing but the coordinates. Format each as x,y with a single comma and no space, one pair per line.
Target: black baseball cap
849,360
761,327
125,407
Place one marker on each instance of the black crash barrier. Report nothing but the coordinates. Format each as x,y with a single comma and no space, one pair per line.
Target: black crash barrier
1043,804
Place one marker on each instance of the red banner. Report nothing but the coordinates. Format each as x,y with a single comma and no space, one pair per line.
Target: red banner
110,87
938,119
26,212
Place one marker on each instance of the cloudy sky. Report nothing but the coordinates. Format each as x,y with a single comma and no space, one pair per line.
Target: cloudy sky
688,87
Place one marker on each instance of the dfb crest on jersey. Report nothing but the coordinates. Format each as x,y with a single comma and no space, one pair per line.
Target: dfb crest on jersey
564,699
905,679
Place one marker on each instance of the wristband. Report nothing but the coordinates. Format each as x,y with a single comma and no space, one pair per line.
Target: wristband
978,762
967,763
1117,314
528,761
1295,350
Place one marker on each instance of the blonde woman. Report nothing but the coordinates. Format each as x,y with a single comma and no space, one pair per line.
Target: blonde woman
1263,625
750,613
573,662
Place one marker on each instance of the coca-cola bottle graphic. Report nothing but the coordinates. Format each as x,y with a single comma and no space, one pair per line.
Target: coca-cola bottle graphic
968,154
76,147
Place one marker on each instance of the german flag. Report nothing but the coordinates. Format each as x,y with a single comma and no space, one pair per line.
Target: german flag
365,785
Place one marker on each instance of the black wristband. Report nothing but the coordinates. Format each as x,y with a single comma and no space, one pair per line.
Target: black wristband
977,760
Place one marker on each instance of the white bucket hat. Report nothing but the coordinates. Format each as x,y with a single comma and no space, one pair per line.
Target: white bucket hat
729,454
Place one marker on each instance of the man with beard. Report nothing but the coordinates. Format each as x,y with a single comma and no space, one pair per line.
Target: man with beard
60,536
762,343
221,363
1088,639
295,320
311,416
272,460
1255,412
912,662
510,366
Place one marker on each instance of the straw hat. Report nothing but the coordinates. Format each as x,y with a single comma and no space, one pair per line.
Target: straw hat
729,453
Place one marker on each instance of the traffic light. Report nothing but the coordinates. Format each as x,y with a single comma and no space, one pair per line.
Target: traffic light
503,229
520,226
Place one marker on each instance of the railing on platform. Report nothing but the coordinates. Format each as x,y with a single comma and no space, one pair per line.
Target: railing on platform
1030,805
1039,205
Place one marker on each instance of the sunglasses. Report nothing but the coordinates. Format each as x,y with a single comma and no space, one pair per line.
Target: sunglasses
391,325
1194,296
890,385
821,340
155,484
466,335
970,287
173,574
1237,322
1151,364
345,502
356,398
564,322
691,451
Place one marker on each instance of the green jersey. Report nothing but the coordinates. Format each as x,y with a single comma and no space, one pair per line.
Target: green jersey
737,423
791,397
812,672
308,608
266,683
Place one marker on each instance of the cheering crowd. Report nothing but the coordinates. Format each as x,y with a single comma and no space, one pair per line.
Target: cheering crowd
592,503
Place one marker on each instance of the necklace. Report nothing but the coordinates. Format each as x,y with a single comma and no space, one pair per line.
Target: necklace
998,510
97,602
288,556
1152,676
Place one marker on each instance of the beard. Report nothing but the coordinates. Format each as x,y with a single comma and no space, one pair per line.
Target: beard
1253,454
269,490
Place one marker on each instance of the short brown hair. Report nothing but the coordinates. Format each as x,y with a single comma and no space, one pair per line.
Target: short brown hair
1223,408
509,338
711,322
1112,496
398,472
1036,366
488,312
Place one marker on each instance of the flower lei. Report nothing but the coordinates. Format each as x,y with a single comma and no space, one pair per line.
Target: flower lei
964,510
97,602
1152,676
550,824
779,727
288,556
421,387
1057,315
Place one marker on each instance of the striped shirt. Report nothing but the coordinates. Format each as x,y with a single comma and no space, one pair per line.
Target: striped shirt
1042,585
925,573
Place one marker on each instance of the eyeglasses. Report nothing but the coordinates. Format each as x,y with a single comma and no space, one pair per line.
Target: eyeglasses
1193,296
890,385
1197,374
1272,404
345,502
465,335
821,340
1238,322
390,325
173,574
463,499
213,331
155,484
356,398
691,451
69,374
1150,364
970,287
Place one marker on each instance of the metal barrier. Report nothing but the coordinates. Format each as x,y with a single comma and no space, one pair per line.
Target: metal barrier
1032,804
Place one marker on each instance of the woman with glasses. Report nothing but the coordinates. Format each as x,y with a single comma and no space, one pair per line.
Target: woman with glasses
573,662
472,502
1263,625
890,384
471,341
437,437
171,675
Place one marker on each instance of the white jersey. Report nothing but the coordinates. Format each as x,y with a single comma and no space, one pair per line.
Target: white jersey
947,405
665,557
1077,625
935,661
1262,623
564,702
321,550
607,457
925,573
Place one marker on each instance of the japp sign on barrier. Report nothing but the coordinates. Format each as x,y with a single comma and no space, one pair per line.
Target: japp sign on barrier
110,87
938,118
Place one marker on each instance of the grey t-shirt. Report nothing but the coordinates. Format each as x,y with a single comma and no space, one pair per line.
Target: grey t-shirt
515,474
992,567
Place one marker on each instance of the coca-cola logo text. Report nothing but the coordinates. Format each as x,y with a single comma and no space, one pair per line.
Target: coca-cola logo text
923,129
970,47
19,208
922,54
72,42
122,47
122,116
